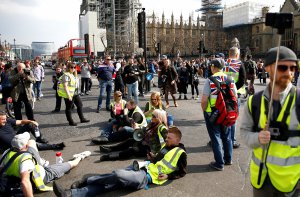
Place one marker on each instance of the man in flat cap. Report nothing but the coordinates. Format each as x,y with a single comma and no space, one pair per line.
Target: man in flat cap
30,168
219,135
277,172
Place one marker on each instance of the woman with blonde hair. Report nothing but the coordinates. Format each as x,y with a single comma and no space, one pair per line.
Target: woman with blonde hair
68,89
154,103
154,139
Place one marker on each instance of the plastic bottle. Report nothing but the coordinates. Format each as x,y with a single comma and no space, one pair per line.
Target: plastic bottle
213,117
37,132
59,158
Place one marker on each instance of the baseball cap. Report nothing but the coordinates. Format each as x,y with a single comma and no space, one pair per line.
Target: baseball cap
217,63
285,54
20,140
164,57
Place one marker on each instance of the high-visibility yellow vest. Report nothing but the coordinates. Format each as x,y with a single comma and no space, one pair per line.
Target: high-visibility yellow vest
232,69
71,86
144,122
221,77
149,115
14,170
123,102
165,166
282,158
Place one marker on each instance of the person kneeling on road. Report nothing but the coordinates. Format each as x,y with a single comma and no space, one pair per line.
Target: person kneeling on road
7,133
170,163
33,171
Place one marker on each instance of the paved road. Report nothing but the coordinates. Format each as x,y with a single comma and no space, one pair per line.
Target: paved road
201,180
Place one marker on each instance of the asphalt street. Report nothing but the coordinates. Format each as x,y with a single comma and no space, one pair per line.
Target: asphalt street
201,180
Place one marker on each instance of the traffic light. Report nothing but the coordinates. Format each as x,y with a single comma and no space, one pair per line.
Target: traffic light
201,47
142,29
86,44
158,48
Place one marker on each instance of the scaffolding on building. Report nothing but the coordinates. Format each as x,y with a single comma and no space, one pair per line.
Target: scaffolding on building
118,17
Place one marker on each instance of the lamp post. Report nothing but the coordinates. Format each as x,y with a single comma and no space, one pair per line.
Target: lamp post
15,49
94,45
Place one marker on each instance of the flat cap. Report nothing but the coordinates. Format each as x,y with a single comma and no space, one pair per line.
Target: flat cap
20,140
285,54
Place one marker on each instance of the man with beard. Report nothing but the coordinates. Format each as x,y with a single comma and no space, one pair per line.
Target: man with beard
274,167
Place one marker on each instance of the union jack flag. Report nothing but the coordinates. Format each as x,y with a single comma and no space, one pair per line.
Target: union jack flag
232,66
213,88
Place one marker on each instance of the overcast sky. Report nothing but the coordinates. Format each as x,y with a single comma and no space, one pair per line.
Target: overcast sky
57,20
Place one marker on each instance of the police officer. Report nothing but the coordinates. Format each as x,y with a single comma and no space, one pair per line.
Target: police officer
68,89
280,173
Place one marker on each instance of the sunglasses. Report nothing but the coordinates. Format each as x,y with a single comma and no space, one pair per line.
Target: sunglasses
119,95
153,99
283,68
108,59
72,67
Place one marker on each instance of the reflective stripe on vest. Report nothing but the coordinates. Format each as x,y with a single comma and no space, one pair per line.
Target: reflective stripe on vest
165,166
71,86
161,139
282,162
213,91
14,170
144,122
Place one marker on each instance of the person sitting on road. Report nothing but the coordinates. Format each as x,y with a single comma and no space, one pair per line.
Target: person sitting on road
31,169
153,141
168,164
7,133
117,114
133,118
154,103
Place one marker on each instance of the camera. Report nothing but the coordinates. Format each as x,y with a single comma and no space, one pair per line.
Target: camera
26,71
279,131
280,21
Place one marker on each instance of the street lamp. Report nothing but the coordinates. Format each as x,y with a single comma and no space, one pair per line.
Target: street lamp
15,48
94,45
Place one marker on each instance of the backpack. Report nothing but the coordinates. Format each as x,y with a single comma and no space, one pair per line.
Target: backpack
226,103
250,67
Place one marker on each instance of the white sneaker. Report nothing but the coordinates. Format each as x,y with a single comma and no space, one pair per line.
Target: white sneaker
82,155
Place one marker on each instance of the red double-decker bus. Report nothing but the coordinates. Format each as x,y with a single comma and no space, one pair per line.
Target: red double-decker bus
74,50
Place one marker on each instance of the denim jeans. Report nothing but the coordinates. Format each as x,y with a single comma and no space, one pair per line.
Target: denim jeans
220,141
133,88
117,179
37,86
107,130
105,86
233,127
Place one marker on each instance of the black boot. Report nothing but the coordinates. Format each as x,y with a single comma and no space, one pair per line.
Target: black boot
41,140
78,184
43,146
61,192
71,123
84,120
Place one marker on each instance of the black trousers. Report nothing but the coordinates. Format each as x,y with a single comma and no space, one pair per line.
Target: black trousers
84,85
18,106
5,94
77,101
195,85
119,85
58,101
141,84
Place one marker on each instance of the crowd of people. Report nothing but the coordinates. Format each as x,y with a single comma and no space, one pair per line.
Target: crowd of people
150,133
